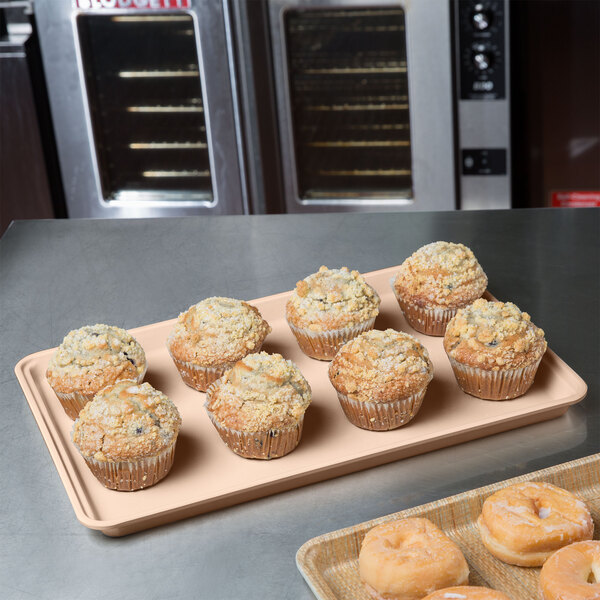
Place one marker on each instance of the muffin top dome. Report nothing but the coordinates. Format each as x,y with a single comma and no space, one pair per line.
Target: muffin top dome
441,275
94,356
217,330
493,336
332,299
126,421
379,366
262,391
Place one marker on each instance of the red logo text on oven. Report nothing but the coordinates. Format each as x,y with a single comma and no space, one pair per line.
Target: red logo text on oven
135,4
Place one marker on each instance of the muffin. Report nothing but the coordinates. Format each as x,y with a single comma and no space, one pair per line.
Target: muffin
91,358
494,349
434,282
330,307
127,435
211,336
258,406
381,378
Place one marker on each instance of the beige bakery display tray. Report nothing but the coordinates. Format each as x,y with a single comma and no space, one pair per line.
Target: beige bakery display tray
206,475
329,563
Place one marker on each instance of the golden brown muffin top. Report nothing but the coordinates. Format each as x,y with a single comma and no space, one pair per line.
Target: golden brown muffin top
332,299
380,366
493,336
93,357
441,275
126,421
216,331
261,392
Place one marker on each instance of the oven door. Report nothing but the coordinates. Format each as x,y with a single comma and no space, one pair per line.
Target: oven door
142,105
364,100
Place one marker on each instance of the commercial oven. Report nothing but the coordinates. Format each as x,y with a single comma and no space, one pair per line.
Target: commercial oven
166,107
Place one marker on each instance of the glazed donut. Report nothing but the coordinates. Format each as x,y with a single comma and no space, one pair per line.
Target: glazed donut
572,573
409,558
467,592
525,523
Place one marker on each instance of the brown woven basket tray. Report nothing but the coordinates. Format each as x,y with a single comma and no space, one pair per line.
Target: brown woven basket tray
329,562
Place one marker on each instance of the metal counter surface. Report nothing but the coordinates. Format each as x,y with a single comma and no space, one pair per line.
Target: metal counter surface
59,275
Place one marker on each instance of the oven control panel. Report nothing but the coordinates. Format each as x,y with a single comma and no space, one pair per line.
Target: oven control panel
482,57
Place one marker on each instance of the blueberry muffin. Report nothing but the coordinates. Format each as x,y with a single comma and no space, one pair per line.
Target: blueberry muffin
494,349
91,358
211,336
127,435
258,406
381,378
330,307
434,282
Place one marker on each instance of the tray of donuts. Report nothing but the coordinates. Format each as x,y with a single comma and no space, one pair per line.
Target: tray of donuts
527,538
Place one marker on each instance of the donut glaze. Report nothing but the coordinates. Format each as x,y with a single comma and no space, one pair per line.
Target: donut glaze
467,592
525,523
572,573
408,559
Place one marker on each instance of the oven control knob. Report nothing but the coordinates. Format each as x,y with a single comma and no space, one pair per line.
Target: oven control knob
481,19
482,60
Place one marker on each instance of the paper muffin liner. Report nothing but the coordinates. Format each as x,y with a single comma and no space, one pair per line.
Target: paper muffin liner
73,402
430,321
199,377
503,384
127,476
323,345
272,443
381,416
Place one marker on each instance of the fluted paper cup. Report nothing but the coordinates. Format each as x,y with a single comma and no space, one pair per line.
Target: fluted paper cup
128,476
265,445
381,416
430,321
323,345
503,384
199,377
73,402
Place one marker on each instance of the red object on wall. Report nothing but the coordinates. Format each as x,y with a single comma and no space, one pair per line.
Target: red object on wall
578,198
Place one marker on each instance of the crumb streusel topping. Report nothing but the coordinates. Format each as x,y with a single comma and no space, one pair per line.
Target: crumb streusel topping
126,421
379,366
216,331
94,356
494,335
332,299
441,274
261,392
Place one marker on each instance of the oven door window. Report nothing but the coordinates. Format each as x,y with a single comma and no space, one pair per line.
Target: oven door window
144,94
348,93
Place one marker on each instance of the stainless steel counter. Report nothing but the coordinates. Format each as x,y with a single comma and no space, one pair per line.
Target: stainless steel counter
59,275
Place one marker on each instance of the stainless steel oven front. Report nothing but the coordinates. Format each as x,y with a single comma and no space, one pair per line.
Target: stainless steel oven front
380,105
142,98
364,100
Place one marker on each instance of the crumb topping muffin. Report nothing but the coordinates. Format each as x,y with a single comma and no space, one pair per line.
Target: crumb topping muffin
261,392
378,366
126,421
441,274
332,299
216,331
93,357
493,336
